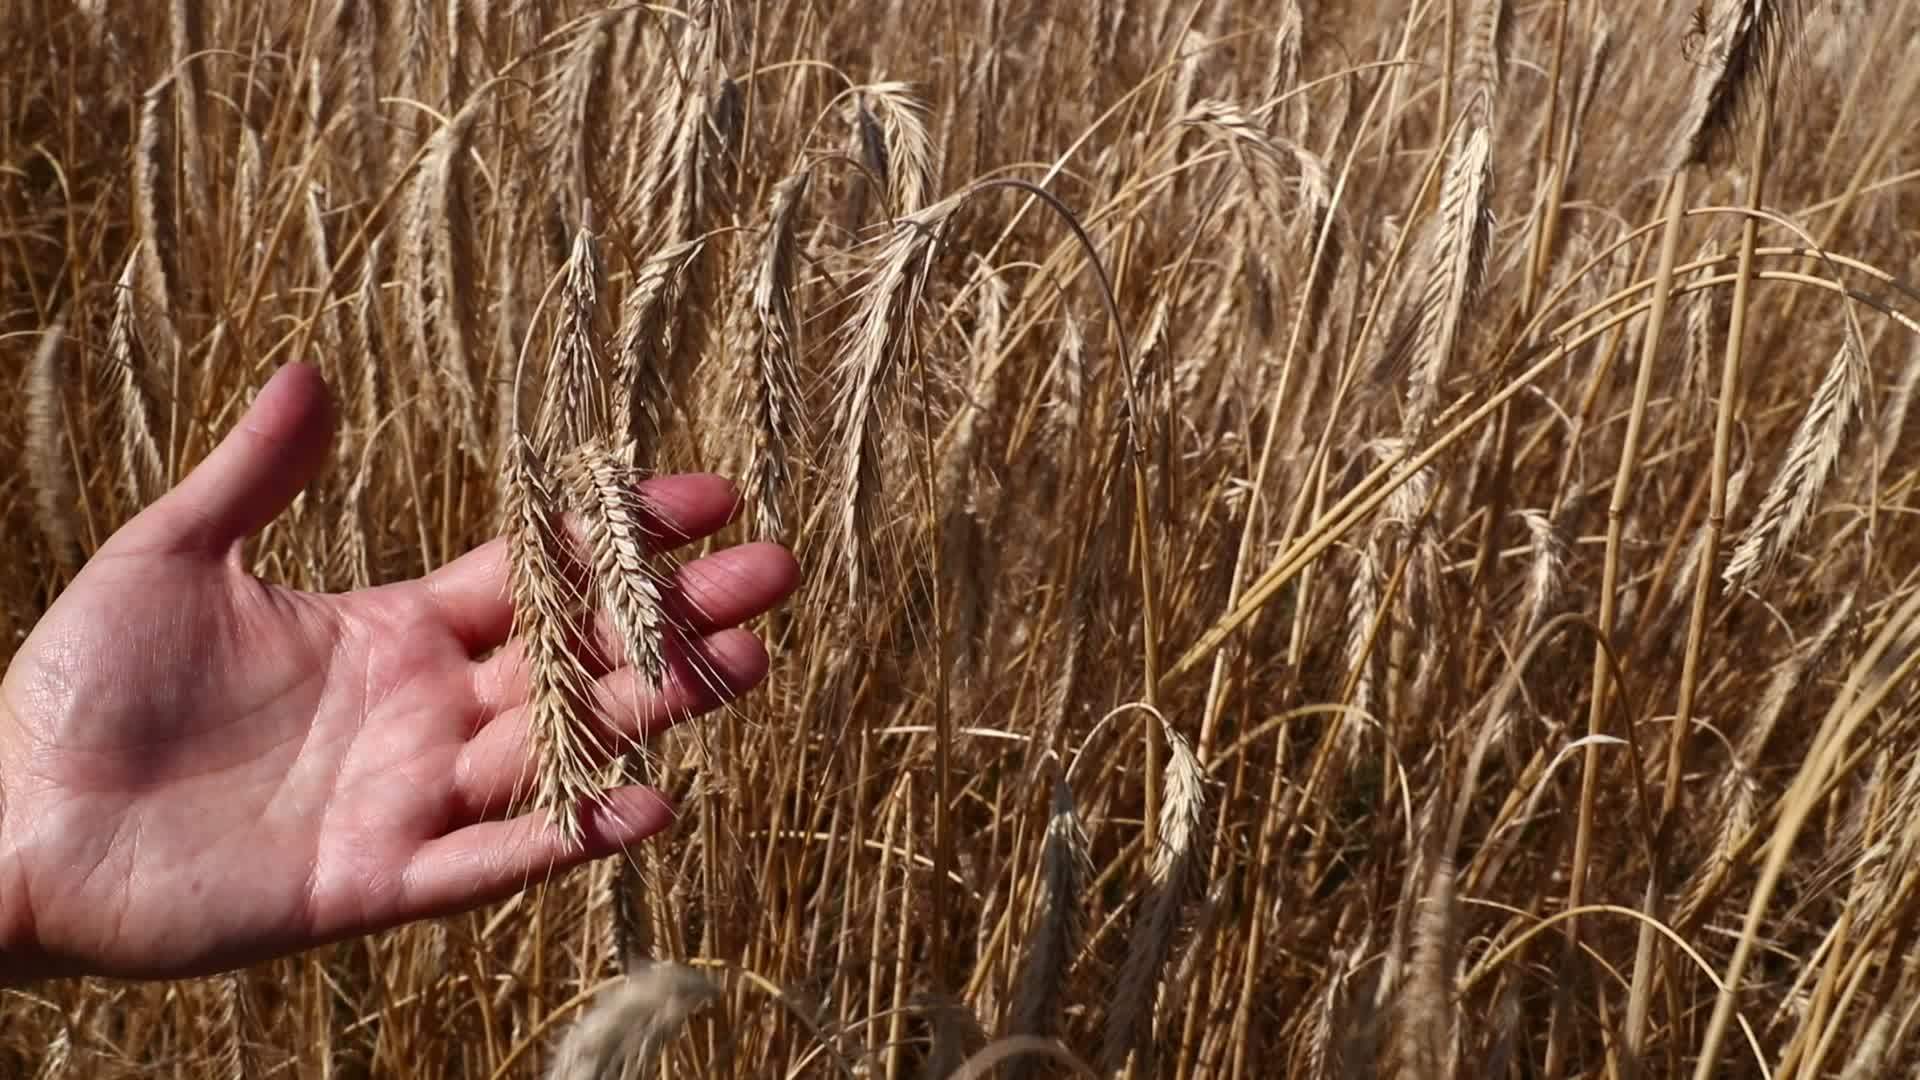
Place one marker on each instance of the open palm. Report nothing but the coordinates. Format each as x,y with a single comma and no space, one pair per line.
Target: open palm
199,770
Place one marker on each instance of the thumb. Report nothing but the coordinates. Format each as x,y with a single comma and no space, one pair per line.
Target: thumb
255,472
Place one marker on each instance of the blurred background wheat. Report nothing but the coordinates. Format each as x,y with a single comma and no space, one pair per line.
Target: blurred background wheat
1343,539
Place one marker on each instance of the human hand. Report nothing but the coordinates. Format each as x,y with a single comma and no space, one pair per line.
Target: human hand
199,770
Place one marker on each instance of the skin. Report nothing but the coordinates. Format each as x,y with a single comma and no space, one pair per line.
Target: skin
200,770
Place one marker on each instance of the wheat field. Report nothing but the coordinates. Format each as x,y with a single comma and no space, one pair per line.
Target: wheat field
1341,539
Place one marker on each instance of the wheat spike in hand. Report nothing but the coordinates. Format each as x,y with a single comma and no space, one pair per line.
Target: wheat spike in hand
200,770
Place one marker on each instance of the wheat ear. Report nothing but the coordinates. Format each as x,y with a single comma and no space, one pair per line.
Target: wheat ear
1788,505
56,493
1054,934
1486,55
1455,265
642,389
1744,42
893,135
879,338
1546,570
1427,1046
1172,880
602,486
773,342
155,248
142,464
621,1036
550,618
573,408
438,265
